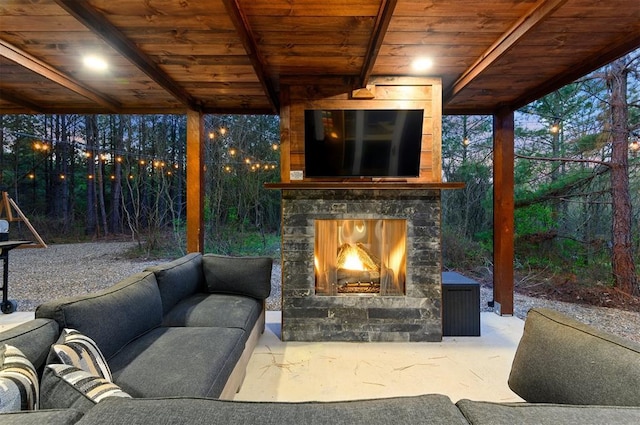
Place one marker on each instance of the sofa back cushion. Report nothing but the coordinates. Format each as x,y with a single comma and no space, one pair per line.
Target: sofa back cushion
249,276
560,360
112,317
33,338
178,279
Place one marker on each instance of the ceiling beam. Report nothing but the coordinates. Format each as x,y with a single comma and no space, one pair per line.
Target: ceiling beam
19,101
385,13
523,26
243,29
24,59
620,49
94,21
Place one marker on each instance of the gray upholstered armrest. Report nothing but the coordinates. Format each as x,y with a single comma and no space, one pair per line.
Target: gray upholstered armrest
250,276
560,360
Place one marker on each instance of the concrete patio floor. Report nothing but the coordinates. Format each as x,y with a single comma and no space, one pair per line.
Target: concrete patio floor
460,367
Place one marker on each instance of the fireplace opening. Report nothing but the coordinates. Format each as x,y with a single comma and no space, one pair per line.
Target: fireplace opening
361,256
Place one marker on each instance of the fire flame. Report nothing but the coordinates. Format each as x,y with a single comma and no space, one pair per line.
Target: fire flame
352,261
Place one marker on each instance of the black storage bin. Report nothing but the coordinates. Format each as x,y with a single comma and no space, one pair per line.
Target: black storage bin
460,305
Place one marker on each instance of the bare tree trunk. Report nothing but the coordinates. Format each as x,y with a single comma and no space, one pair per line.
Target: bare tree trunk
623,267
100,194
92,136
116,183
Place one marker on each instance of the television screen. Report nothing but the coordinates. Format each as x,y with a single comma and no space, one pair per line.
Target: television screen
363,143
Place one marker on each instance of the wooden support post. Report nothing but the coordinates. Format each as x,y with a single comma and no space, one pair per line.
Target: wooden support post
195,181
503,222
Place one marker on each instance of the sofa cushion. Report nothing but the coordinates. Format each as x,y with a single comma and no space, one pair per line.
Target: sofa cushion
18,381
560,360
479,412
179,279
112,317
40,417
425,409
75,349
33,338
221,310
189,361
65,386
249,276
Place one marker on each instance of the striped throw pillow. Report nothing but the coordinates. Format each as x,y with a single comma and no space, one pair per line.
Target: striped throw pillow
18,381
92,387
76,349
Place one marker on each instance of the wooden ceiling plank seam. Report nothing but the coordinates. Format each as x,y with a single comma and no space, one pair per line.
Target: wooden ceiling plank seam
522,27
51,73
243,28
621,48
377,37
99,25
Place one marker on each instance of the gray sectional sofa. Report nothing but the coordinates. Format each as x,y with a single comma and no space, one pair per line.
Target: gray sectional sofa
178,336
184,328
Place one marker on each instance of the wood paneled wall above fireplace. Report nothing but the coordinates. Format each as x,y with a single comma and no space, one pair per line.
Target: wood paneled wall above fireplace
381,93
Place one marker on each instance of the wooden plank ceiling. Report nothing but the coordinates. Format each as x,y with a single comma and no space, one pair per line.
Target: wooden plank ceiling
231,56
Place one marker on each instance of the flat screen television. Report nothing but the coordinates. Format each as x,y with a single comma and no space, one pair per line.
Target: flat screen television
362,143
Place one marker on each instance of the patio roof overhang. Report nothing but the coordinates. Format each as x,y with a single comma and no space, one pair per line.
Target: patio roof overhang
231,56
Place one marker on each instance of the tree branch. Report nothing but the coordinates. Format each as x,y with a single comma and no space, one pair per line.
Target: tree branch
589,161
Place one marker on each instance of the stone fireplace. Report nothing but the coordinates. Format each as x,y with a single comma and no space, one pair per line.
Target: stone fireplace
361,264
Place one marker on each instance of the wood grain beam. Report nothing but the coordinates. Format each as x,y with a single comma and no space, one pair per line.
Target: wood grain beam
22,58
503,210
94,21
602,58
195,181
380,27
19,101
241,23
506,41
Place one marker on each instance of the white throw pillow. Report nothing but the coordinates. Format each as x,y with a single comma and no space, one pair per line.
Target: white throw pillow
19,387
76,349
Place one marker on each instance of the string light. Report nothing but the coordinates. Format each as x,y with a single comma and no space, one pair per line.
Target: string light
116,156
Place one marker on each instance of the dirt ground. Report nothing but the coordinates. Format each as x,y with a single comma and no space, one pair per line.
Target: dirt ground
567,289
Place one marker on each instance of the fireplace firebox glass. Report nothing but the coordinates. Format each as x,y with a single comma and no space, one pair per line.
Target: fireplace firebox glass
356,257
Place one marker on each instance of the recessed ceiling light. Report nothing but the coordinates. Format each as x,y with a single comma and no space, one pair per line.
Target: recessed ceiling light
95,63
422,64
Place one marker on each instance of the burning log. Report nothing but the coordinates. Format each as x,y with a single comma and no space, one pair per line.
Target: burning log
346,276
358,269
347,253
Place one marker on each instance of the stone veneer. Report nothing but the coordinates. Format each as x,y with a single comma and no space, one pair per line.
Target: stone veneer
361,317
